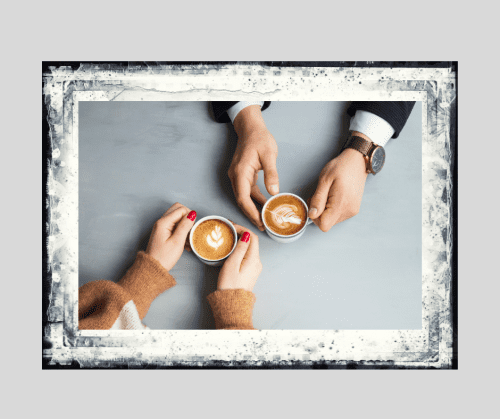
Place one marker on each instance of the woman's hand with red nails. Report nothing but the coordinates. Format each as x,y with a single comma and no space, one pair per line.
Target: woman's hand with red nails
243,267
169,235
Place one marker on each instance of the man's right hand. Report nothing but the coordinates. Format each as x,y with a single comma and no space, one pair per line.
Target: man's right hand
256,150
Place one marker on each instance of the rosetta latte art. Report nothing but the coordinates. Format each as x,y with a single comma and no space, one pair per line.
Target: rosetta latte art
284,215
215,239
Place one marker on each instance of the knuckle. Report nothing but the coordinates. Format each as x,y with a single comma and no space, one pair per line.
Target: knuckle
324,226
324,180
238,169
353,211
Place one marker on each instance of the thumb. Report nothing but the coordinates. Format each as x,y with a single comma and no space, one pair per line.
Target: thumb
240,251
318,200
184,226
271,179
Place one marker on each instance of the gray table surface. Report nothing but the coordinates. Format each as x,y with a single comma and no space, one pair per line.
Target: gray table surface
137,158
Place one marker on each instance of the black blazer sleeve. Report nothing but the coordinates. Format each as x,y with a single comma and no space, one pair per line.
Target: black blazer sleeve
396,113
220,108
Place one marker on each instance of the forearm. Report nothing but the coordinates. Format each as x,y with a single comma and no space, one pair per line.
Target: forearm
109,305
249,120
393,113
232,309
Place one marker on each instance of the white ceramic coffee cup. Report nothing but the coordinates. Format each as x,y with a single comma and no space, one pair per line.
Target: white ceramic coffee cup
281,238
217,262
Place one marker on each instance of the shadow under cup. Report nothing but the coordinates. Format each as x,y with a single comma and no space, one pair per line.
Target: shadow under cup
210,262
281,238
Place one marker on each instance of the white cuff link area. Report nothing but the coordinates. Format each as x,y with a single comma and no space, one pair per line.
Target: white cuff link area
373,126
235,109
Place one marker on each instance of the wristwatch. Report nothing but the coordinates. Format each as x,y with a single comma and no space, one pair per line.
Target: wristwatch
373,153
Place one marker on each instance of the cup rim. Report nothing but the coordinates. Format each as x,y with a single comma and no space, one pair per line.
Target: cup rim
275,196
212,217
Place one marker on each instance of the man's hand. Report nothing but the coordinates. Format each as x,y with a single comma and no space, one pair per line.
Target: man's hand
340,189
256,150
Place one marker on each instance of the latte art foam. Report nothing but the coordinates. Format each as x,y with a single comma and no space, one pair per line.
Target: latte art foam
285,215
213,239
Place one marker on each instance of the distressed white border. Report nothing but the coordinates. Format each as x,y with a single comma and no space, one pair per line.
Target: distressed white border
430,346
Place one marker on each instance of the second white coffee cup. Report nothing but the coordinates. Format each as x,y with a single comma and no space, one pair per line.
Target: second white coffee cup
280,238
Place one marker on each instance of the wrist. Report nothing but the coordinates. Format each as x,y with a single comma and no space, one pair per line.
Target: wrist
248,121
354,157
360,134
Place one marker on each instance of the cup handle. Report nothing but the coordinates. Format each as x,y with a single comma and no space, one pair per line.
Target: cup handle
309,221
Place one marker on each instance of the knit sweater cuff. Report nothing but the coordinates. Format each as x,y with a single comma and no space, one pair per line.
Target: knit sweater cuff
145,280
232,309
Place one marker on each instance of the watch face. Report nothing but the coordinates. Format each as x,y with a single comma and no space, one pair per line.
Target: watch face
378,159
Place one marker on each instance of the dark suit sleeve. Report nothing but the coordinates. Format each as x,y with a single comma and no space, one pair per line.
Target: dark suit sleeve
395,113
220,110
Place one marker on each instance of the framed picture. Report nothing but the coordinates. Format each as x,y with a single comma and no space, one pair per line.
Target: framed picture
125,141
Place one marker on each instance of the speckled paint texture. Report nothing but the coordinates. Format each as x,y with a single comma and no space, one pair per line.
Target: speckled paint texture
431,346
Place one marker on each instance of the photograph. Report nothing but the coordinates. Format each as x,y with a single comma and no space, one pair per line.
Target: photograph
250,215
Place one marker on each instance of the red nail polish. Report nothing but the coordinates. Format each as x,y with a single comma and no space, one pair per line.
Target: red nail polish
245,237
192,215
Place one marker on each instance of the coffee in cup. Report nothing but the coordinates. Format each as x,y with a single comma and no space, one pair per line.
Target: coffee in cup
213,239
285,215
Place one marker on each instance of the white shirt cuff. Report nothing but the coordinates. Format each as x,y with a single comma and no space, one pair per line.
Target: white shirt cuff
235,109
373,126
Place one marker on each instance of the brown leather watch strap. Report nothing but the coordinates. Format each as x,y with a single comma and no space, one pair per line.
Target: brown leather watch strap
360,144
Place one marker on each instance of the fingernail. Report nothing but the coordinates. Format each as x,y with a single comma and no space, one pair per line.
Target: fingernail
312,212
245,237
192,215
273,189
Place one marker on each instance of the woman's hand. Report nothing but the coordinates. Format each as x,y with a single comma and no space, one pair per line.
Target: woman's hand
169,235
243,267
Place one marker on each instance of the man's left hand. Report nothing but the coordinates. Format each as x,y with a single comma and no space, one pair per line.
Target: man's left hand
340,190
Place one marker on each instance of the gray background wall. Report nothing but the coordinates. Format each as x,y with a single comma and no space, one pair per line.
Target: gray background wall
137,158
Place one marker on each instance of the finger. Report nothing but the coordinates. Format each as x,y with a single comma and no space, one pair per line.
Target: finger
271,179
172,208
239,251
167,223
242,192
253,248
239,229
320,197
182,230
258,195
330,216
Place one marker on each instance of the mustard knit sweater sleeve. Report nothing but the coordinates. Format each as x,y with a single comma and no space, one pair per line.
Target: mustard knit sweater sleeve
122,305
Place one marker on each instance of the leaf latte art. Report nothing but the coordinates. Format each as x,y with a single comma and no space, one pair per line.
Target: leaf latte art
215,238
284,215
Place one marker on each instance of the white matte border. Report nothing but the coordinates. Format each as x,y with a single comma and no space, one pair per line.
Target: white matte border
431,346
